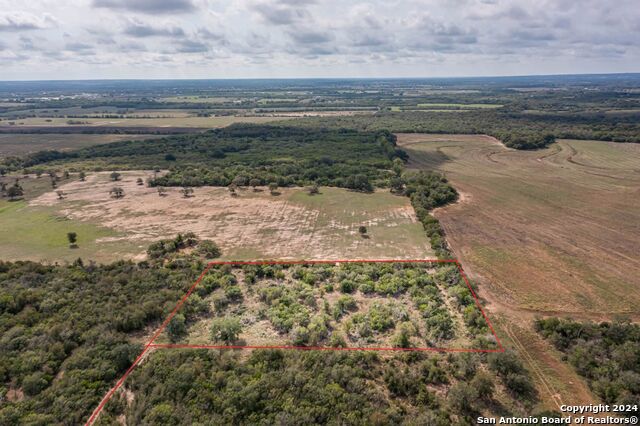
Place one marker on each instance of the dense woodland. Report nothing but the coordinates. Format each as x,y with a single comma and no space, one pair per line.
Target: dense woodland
266,387
244,154
516,129
606,354
67,332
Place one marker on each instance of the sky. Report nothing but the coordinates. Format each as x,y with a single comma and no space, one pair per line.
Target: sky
101,39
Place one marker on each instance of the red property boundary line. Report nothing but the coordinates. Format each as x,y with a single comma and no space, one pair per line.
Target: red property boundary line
151,346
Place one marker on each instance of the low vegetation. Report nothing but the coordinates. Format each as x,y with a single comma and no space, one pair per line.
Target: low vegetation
363,304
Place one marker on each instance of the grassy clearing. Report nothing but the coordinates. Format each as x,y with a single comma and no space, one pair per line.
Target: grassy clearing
252,225
40,234
21,144
560,221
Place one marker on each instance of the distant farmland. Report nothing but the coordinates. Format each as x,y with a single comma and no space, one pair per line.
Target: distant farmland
23,143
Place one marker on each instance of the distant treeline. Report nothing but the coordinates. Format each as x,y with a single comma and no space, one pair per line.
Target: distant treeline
606,354
518,130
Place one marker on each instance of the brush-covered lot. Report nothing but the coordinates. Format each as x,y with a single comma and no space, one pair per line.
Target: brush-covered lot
404,305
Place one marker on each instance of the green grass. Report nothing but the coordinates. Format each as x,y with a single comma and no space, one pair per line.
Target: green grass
37,233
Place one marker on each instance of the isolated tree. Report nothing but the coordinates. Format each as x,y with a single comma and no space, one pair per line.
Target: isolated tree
254,183
117,192
162,191
53,183
273,188
313,189
3,171
362,230
73,238
82,176
232,189
60,194
115,176
15,192
66,174
187,192
225,330
170,157
139,181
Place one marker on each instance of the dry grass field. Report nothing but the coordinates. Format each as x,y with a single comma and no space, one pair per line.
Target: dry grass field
555,231
171,121
292,225
21,144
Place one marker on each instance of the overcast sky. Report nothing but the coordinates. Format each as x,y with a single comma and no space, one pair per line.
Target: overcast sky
78,39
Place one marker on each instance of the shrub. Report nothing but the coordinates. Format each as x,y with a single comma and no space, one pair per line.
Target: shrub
225,330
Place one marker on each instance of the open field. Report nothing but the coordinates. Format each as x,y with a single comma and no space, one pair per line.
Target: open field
39,233
190,121
251,225
21,144
561,221
550,232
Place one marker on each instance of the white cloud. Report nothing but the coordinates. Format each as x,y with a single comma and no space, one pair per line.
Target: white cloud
21,21
255,38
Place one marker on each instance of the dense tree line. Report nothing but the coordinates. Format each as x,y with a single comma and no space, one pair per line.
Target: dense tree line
517,129
268,387
607,354
241,153
428,190
65,330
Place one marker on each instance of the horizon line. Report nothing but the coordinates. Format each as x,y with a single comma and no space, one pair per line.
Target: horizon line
635,73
